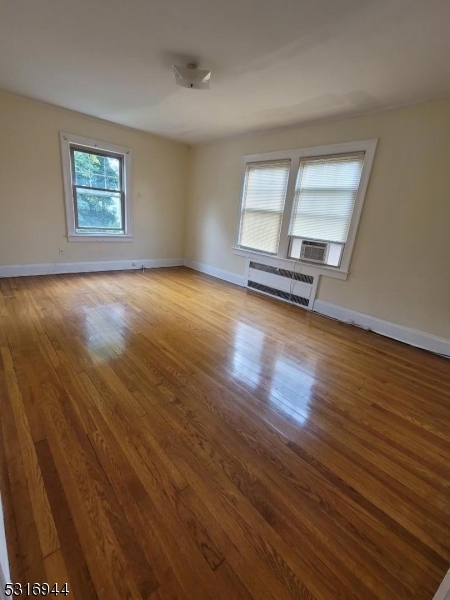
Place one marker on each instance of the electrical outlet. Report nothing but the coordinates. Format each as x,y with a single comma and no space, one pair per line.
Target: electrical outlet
61,251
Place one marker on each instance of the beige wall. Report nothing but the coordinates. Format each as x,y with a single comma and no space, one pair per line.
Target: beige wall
400,270
32,218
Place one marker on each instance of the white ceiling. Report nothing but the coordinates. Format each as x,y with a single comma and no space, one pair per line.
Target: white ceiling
274,63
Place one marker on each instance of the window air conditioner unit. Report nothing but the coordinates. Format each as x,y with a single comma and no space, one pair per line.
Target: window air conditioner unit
314,251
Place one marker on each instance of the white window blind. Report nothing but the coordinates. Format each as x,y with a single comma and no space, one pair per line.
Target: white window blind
262,207
325,196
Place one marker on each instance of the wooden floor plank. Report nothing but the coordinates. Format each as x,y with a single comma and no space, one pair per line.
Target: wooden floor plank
24,550
108,565
72,553
46,529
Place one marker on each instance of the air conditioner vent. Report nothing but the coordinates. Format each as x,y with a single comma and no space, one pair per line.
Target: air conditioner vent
279,293
282,272
314,251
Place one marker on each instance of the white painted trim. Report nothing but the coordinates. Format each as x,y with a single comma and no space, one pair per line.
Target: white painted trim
214,272
3,583
341,148
70,139
401,333
367,146
106,239
87,267
5,576
443,592
283,242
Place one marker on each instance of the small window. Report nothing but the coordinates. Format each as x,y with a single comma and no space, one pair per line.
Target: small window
305,205
98,190
98,194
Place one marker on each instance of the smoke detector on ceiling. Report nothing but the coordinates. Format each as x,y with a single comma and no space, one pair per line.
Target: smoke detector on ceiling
192,77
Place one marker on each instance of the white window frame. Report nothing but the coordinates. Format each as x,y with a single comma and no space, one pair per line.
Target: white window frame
295,156
67,141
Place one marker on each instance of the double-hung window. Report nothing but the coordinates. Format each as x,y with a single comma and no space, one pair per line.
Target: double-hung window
97,189
263,199
305,205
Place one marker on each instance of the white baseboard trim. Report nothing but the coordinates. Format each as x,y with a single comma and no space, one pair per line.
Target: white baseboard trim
87,267
214,272
443,592
401,333
5,576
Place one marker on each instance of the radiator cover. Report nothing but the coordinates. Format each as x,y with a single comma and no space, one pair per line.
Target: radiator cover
289,285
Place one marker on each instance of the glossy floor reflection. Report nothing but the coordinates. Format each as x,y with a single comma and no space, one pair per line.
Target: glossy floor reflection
167,435
285,384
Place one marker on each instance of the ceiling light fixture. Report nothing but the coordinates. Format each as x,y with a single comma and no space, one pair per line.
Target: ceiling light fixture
192,77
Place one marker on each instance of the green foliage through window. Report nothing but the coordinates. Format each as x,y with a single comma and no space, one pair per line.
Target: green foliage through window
97,186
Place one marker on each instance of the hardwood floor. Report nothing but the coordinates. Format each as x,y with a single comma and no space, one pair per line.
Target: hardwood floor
167,435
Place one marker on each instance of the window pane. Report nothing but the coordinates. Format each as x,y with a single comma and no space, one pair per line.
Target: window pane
263,204
95,170
82,179
97,181
113,183
325,196
261,230
99,209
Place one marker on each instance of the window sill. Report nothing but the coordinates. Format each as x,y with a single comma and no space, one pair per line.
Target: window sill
289,263
98,238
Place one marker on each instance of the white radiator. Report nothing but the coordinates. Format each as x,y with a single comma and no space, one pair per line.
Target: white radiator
288,285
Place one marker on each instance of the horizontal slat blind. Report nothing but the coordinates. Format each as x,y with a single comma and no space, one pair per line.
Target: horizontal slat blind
263,200
325,196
